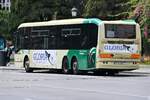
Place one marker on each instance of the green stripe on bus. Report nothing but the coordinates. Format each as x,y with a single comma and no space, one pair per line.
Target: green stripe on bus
129,21
93,20
82,56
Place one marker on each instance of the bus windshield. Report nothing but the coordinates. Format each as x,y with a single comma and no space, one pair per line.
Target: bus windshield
120,31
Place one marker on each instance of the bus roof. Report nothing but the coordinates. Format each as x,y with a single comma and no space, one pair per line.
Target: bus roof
62,22
75,21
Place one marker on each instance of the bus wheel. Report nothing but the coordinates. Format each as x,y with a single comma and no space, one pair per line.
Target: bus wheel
65,67
75,67
26,66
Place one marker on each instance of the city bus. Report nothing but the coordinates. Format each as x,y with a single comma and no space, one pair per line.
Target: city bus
80,44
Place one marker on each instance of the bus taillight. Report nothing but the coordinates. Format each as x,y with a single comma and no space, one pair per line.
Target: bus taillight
106,55
135,56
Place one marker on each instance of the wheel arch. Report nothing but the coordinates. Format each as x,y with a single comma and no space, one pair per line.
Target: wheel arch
25,58
65,57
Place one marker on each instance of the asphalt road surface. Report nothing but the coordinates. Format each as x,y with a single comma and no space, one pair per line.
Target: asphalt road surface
18,85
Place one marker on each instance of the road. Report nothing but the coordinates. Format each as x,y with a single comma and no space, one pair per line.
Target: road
18,85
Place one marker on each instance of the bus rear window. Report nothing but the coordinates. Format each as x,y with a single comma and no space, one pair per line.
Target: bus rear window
120,31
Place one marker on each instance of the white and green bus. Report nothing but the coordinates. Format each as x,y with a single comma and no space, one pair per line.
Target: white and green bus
74,45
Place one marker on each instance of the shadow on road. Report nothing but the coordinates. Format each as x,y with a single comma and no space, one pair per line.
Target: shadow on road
121,74
133,74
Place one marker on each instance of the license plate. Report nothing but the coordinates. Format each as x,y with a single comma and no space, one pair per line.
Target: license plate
121,62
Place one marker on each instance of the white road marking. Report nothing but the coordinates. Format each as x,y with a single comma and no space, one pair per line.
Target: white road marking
98,91
148,97
28,99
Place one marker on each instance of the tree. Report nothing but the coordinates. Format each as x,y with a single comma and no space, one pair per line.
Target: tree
107,9
64,8
4,23
140,12
144,21
33,10
40,10
30,11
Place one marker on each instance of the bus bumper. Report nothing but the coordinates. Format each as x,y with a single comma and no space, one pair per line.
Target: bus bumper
111,65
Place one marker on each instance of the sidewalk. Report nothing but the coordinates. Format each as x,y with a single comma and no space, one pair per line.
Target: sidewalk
10,67
144,66
143,69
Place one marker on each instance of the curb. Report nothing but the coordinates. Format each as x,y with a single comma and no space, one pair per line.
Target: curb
143,69
144,66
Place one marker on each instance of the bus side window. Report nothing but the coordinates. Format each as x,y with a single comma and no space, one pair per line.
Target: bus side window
65,38
84,38
20,39
26,38
70,36
39,37
52,38
76,37
84,41
93,35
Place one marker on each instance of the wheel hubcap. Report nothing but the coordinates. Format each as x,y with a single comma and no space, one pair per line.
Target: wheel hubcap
26,64
75,67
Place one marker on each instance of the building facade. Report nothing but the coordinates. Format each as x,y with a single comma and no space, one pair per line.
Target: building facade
5,5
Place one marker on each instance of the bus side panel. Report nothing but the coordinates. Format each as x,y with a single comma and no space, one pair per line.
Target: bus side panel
51,59
43,59
19,57
60,55
18,60
81,56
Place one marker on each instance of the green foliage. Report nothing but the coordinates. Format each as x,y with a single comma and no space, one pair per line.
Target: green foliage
40,10
33,10
64,8
107,9
146,11
145,21
4,23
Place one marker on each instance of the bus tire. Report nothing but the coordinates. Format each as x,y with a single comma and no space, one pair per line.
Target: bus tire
75,67
27,66
65,66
